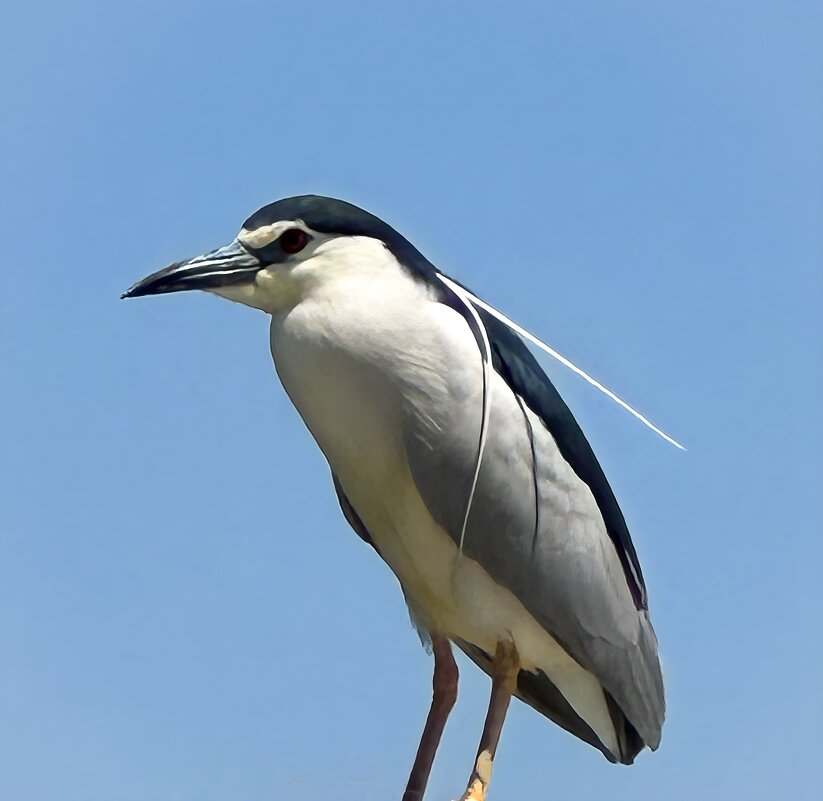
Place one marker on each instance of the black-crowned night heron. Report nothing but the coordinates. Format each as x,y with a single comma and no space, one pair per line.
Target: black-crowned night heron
455,458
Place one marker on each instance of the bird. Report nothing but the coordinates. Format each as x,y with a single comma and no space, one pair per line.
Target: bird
455,458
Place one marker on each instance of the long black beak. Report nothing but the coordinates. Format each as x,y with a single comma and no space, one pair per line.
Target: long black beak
226,266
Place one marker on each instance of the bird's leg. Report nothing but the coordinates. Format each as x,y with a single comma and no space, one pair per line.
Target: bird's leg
505,668
444,695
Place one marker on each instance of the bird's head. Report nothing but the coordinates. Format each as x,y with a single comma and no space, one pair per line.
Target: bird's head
283,250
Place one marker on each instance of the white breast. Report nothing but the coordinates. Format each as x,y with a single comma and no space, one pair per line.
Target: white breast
354,357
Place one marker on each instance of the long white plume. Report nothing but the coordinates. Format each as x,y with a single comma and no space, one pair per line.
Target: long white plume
464,293
467,299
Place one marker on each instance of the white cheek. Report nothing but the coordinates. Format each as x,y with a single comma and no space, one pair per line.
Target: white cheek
274,289
277,287
247,294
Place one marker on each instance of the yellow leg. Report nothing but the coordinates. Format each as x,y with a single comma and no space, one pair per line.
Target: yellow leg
504,682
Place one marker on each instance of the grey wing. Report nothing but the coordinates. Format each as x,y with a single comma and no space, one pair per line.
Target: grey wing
536,527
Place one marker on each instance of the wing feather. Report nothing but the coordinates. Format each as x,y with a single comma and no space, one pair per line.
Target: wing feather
567,555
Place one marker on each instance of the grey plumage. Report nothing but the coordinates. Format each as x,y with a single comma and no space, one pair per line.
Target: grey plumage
531,570
562,565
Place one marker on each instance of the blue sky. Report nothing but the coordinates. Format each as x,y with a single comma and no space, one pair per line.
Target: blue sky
184,615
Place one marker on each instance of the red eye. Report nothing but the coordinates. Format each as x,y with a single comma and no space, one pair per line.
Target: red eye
293,240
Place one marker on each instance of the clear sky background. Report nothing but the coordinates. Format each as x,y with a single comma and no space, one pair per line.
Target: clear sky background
184,614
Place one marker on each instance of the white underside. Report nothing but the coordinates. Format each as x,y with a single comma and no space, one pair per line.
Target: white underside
342,384
452,594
